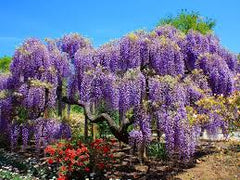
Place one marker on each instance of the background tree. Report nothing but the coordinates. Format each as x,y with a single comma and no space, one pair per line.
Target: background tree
185,21
5,63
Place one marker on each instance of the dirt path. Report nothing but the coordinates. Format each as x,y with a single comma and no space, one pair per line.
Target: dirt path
223,165
213,161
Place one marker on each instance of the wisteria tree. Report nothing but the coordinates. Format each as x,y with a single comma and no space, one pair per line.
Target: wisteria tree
150,80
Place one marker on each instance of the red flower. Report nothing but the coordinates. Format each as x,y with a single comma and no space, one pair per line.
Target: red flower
59,145
98,147
50,161
81,157
84,149
70,153
97,142
113,141
80,144
72,161
70,168
62,178
60,174
79,151
60,152
50,150
106,149
63,168
100,165
87,169
74,156
79,163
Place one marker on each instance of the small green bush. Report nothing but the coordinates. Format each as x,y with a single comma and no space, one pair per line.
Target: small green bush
157,150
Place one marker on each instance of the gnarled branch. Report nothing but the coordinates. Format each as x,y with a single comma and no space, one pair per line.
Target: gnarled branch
120,132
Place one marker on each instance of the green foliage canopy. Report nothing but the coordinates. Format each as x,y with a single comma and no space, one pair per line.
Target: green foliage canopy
186,21
4,64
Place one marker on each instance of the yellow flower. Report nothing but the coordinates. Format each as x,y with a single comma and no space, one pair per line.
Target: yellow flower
132,36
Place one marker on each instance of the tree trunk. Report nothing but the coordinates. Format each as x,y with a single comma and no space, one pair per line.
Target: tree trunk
145,153
68,111
59,97
141,153
93,131
119,131
86,128
93,128
158,138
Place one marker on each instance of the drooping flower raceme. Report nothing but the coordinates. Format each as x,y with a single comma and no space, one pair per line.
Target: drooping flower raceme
220,76
166,57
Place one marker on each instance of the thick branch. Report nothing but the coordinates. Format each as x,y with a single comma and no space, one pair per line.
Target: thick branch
59,96
120,132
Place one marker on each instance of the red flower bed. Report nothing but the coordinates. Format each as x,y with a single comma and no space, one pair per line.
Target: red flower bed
75,158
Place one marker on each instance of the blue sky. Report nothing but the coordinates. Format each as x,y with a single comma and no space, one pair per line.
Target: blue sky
103,20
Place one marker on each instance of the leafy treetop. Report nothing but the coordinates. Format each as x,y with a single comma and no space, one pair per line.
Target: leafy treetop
4,63
186,21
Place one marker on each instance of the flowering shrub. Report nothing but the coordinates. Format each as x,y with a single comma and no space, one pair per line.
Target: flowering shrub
101,155
75,159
